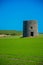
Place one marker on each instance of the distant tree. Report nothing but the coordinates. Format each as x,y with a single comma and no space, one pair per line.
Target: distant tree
13,34
0,33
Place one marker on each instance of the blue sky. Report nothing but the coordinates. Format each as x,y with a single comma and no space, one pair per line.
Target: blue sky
13,12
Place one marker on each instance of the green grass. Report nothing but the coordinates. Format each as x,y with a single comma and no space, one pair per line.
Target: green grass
21,51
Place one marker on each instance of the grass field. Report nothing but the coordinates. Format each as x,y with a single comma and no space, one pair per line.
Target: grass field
21,51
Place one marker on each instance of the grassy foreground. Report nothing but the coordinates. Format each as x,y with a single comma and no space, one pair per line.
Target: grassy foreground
21,51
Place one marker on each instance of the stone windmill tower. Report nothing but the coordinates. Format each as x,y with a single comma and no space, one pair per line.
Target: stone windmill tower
30,28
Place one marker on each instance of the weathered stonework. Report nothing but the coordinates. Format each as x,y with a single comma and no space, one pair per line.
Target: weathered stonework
30,28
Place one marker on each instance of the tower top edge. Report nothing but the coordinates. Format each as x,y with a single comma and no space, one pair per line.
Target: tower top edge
31,21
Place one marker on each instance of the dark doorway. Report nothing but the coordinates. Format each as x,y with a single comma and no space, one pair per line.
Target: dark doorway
32,34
